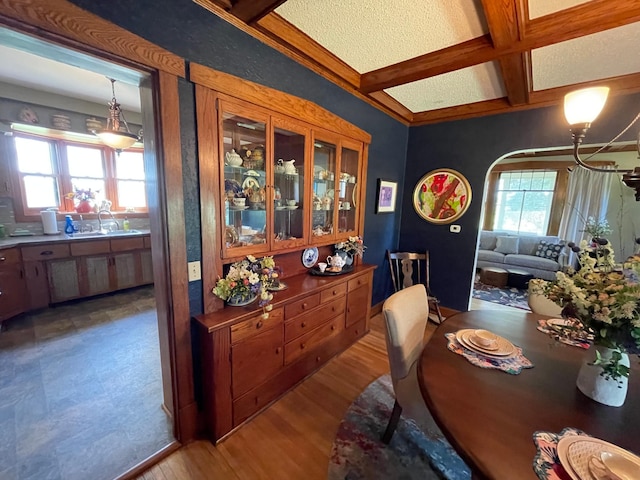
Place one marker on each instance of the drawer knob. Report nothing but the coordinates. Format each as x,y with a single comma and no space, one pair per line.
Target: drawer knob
303,324
335,292
317,359
304,305
278,350
2,259
357,331
259,324
333,327
256,400
303,346
333,309
46,252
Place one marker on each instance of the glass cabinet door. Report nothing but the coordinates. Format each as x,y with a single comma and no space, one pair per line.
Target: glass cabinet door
324,189
290,144
347,189
243,150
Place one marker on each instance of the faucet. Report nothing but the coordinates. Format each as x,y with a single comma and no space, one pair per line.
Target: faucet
112,219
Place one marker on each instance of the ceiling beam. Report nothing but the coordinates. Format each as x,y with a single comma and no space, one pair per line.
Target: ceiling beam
591,17
504,18
250,11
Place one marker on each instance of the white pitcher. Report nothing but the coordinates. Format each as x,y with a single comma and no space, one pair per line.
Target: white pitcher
289,167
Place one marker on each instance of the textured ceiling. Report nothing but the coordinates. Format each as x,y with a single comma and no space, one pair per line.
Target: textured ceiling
539,8
372,34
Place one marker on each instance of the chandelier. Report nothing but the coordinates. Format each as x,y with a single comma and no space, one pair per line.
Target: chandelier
581,108
113,136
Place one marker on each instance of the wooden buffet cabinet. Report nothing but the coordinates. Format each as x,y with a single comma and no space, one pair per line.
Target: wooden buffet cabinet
36,275
248,361
278,174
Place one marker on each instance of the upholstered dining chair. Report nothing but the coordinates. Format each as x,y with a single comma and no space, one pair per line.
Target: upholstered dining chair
405,314
409,268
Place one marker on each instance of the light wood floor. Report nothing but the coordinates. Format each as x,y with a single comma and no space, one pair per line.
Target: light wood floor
292,439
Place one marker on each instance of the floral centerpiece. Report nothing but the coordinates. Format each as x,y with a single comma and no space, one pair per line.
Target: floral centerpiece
83,199
602,300
352,246
247,280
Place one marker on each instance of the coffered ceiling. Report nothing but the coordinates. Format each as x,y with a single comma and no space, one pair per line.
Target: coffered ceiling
432,61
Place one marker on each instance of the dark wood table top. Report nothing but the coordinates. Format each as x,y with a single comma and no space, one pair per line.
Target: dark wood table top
489,416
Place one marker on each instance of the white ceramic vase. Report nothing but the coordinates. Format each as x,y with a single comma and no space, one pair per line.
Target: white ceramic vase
538,303
606,391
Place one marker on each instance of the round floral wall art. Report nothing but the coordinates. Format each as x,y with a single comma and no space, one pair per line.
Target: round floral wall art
442,196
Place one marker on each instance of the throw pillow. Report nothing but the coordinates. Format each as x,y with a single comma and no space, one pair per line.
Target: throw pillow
507,245
549,250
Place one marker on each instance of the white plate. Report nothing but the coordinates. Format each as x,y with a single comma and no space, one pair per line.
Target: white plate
236,207
310,257
505,347
280,208
574,452
292,207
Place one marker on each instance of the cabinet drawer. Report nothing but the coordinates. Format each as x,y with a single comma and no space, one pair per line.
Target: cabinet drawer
357,307
147,241
256,325
301,306
10,256
256,359
333,292
306,343
89,248
124,244
45,252
358,282
306,322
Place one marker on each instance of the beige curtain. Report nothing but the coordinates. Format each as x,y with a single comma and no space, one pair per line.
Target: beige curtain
587,196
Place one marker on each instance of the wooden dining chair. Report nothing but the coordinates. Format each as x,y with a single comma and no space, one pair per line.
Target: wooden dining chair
405,314
410,268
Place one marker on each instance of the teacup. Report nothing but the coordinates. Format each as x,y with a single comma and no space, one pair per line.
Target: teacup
485,338
346,205
291,203
322,266
239,201
613,466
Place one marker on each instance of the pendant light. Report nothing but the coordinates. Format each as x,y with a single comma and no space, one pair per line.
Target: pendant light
114,136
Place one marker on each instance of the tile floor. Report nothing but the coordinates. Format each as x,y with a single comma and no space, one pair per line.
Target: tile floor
81,389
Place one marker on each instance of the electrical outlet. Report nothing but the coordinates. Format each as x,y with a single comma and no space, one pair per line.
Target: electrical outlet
454,228
194,271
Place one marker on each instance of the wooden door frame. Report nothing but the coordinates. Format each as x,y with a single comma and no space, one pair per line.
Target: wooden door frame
63,23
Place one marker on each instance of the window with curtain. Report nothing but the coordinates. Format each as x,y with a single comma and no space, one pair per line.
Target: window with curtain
48,169
523,201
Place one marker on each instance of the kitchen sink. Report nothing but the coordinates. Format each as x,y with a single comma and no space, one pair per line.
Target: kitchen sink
103,233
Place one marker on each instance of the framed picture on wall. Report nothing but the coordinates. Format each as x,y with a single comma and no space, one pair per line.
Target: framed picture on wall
442,196
386,196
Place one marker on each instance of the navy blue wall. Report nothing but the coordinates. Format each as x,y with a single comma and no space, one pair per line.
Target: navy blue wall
471,147
193,33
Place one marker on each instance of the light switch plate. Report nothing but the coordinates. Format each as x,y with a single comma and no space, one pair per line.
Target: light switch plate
454,228
194,271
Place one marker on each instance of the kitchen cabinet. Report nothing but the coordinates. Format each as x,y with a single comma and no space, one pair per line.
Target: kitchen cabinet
248,361
61,271
13,298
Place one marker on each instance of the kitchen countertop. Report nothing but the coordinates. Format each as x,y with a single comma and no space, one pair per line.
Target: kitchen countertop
10,242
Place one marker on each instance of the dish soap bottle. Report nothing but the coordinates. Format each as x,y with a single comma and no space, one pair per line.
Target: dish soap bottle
68,228
125,224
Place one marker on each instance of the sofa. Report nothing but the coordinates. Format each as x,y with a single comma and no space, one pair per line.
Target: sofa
542,256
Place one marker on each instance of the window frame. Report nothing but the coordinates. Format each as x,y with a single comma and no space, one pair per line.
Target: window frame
61,172
561,168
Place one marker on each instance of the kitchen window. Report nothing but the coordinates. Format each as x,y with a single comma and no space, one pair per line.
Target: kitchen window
48,169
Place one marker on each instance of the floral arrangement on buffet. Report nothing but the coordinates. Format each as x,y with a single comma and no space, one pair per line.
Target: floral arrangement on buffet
352,246
246,281
600,299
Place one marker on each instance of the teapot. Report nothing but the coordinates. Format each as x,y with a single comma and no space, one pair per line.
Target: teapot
336,261
289,167
232,158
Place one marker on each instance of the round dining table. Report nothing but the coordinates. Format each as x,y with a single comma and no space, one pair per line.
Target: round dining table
490,416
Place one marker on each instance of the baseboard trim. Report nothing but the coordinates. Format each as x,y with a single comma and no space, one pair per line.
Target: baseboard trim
145,465
376,309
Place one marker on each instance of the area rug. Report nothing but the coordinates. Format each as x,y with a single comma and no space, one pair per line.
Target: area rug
511,297
358,453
